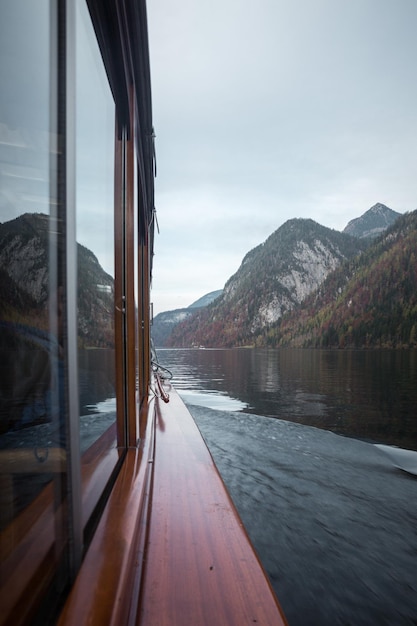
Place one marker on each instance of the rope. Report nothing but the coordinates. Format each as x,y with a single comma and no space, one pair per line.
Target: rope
161,375
162,393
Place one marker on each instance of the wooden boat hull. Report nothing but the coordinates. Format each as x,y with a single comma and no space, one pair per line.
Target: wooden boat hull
170,547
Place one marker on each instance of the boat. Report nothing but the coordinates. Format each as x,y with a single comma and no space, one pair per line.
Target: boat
112,509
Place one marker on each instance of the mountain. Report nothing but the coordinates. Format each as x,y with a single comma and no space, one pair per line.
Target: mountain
273,278
206,300
24,262
95,302
369,301
372,223
24,281
164,323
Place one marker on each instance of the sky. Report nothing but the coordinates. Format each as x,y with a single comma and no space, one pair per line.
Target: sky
27,152
264,110
269,110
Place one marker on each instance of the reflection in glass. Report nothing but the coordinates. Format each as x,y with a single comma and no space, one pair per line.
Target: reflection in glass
32,432
95,115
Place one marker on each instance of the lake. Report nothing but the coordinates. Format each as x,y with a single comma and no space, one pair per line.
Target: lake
370,395
331,517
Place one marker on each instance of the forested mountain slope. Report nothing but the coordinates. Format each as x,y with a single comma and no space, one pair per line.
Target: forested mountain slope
164,323
369,301
273,278
373,222
24,281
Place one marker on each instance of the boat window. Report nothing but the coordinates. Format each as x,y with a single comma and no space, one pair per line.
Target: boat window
52,247
33,460
95,132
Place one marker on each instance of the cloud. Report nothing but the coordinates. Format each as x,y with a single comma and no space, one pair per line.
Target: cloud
271,110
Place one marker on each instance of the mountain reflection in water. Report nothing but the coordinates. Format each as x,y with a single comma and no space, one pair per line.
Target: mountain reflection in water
370,395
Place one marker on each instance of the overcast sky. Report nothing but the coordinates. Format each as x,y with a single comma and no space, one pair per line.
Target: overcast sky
272,109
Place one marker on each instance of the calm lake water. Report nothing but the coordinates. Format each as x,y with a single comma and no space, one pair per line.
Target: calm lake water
370,395
333,520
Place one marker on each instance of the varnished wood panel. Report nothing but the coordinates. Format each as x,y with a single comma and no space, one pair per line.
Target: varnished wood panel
29,546
170,548
104,591
119,302
130,271
200,566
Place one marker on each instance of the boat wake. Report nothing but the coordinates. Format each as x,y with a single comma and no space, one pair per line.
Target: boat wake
405,460
331,518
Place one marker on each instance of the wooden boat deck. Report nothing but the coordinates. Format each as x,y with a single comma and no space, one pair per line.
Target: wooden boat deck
170,548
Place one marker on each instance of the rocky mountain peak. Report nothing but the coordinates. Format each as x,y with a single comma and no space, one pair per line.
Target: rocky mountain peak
24,280
273,278
276,276
373,222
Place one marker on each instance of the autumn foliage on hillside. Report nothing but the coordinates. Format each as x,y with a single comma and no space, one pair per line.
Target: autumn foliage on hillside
271,280
370,301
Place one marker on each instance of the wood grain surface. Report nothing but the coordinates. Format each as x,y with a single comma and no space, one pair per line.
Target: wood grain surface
200,567
170,548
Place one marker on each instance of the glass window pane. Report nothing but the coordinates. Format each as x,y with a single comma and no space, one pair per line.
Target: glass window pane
32,429
95,123
30,368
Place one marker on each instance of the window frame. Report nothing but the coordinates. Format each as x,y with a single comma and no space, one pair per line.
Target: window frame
90,476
